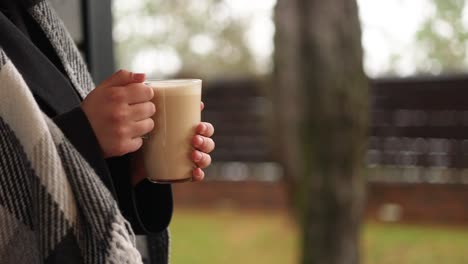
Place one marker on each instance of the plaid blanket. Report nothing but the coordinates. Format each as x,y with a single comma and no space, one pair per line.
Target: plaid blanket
51,200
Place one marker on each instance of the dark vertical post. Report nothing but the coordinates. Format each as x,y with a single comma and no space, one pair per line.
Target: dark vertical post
98,43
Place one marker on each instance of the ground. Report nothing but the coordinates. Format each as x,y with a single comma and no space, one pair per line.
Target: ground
209,236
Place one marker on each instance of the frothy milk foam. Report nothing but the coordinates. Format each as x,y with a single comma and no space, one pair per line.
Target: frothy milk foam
167,152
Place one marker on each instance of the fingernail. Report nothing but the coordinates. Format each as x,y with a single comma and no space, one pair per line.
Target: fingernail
198,141
197,157
203,128
200,174
138,77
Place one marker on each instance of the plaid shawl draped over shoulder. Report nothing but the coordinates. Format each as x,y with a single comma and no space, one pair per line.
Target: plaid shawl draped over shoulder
48,192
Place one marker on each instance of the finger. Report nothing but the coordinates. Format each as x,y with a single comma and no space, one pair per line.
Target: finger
138,93
202,160
122,78
134,145
202,106
198,175
142,111
205,129
204,144
142,128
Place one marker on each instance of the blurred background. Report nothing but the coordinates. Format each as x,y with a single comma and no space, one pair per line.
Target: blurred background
415,54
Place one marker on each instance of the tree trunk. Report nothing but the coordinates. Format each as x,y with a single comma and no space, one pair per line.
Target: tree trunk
320,95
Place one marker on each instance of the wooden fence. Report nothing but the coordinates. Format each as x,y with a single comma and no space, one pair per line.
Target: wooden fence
417,156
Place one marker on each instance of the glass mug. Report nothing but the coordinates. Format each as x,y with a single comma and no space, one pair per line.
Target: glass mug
167,149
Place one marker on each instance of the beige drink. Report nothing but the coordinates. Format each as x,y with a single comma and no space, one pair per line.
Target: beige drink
167,152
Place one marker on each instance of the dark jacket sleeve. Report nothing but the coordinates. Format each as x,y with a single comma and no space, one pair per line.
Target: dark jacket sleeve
148,206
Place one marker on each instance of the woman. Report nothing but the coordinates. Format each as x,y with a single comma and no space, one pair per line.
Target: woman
67,190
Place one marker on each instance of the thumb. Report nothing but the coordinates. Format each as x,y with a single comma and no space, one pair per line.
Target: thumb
122,78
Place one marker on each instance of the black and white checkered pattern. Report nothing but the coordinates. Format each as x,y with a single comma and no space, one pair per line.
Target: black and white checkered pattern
66,49
48,192
2,59
47,189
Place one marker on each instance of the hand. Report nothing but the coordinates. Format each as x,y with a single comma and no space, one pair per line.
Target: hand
119,111
201,142
203,145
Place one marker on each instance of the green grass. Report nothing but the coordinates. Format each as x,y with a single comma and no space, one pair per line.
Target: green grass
212,237
229,236
388,244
